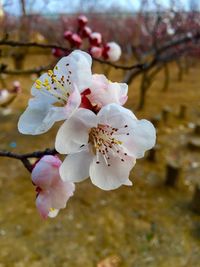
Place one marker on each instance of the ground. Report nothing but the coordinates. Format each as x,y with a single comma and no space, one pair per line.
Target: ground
148,224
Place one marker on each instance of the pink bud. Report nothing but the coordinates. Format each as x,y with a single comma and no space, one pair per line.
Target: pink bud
57,52
112,51
16,87
76,40
52,193
67,35
95,39
86,31
96,51
82,20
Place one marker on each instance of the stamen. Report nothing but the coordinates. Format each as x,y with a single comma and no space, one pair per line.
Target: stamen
104,142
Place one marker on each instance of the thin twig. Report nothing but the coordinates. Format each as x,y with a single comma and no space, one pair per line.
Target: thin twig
24,158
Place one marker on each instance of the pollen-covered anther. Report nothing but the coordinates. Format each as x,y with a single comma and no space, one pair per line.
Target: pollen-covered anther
104,142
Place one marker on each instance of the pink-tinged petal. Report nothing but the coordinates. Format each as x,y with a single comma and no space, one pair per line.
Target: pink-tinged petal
75,167
104,92
45,171
142,137
52,192
43,204
112,176
62,113
73,101
74,132
60,193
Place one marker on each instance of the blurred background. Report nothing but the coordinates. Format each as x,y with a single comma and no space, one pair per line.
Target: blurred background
157,221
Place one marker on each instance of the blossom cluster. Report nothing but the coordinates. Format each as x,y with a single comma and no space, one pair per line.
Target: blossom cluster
91,41
101,138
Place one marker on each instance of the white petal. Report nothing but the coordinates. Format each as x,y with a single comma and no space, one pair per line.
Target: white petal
39,117
114,52
77,68
115,116
60,193
142,137
74,132
75,167
113,176
32,120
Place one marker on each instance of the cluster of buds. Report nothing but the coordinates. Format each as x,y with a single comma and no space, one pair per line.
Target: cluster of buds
91,41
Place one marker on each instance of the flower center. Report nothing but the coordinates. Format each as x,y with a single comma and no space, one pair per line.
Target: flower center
58,88
103,141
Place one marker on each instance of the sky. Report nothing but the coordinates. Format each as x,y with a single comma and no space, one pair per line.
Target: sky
73,6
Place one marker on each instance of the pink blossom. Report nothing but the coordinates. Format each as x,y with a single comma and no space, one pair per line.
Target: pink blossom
103,92
52,192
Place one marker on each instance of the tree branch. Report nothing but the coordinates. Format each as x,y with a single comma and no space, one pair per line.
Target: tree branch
24,158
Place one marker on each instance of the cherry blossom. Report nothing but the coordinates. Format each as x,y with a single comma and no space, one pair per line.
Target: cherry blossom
56,94
103,146
112,51
52,192
103,92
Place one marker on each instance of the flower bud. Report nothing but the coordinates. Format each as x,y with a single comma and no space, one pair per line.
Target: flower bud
95,39
82,20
